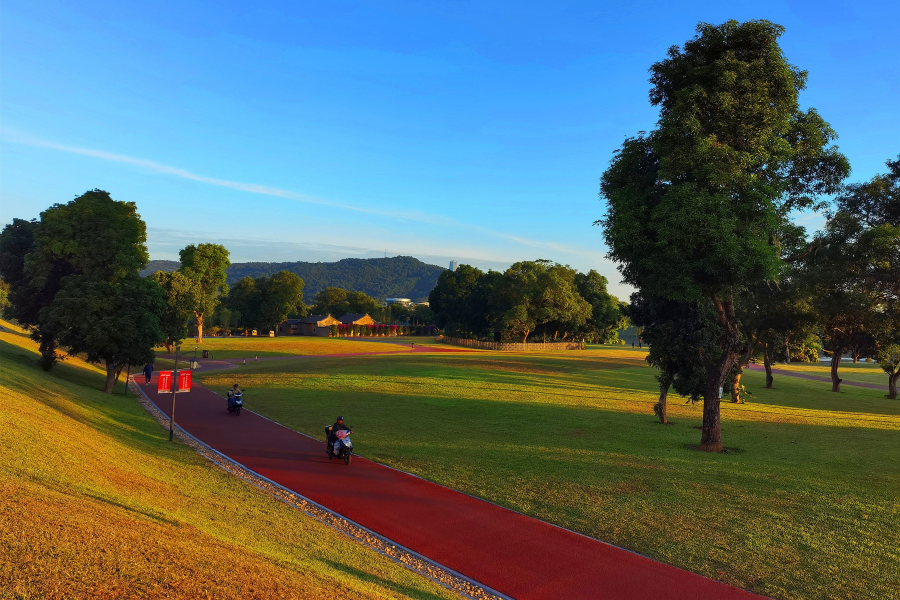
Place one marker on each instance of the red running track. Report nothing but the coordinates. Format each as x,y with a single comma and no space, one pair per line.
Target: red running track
516,555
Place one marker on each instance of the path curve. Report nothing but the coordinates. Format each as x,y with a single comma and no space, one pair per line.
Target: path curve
517,555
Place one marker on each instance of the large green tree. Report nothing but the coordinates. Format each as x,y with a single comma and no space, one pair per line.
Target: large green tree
694,207
81,262
264,302
330,301
454,301
541,294
281,295
93,237
206,264
182,296
245,300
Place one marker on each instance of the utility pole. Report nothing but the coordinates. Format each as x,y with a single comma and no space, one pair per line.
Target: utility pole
174,386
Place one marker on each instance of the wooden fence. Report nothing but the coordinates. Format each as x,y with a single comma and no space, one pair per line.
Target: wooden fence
511,346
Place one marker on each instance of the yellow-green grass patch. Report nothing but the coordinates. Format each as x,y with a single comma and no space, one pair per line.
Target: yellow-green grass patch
288,345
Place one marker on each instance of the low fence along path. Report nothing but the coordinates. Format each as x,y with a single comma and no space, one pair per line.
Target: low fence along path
519,556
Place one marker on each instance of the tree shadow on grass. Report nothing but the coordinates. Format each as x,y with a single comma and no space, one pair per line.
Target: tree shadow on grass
67,387
407,591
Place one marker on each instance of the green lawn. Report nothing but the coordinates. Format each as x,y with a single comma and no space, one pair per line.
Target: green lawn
805,505
95,502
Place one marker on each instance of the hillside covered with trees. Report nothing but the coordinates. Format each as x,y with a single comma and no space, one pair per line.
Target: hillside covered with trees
380,278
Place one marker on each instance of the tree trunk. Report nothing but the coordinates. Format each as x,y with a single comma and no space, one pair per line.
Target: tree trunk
855,357
892,384
47,349
787,351
663,406
736,387
835,363
199,327
112,376
168,344
767,361
525,337
717,374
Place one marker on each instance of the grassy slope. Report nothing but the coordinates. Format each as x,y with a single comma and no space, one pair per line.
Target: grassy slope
96,503
805,505
299,345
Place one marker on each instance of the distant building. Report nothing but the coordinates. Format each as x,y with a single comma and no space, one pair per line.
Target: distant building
403,301
311,325
453,265
357,319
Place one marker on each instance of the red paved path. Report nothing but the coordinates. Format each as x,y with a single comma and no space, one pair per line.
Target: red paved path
514,554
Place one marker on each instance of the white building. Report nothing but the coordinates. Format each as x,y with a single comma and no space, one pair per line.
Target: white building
403,301
453,265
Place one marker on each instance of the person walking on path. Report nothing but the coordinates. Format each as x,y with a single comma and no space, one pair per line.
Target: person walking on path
148,371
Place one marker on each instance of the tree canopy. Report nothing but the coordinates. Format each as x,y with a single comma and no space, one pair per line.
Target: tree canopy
264,302
531,297
338,302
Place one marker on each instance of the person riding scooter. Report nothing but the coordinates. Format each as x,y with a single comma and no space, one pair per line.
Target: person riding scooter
235,399
332,433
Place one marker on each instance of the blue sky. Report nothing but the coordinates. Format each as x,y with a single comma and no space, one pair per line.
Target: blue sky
322,130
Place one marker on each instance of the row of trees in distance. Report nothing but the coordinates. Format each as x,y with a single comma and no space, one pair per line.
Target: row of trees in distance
538,299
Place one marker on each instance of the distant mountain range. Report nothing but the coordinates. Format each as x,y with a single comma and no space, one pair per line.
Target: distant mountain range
397,277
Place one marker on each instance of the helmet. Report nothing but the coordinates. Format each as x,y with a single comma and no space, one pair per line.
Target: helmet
340,418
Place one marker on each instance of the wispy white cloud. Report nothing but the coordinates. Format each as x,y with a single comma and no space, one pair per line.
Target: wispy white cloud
26,140
594,257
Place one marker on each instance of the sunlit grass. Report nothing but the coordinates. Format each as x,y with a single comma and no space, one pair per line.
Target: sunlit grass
293,345
805,504
96,503
861,372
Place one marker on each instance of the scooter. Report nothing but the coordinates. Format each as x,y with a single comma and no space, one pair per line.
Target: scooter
235,402
338,445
